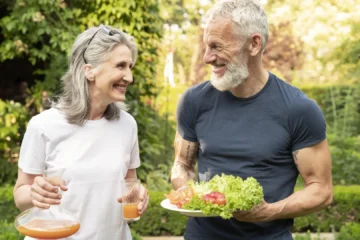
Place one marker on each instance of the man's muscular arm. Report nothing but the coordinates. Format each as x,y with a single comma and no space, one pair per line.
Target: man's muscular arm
314,165
185,160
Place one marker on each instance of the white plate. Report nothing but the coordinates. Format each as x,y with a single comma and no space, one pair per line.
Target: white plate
190,213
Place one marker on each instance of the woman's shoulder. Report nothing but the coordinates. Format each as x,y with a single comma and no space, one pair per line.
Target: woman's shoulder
127,117
46,117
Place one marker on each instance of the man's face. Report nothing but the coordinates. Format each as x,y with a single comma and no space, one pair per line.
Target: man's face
225,52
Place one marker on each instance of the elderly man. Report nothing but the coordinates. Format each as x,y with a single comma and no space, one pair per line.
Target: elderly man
247,122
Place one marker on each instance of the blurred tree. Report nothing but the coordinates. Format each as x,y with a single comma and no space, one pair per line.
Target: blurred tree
283,54
184,37
323,26
347,55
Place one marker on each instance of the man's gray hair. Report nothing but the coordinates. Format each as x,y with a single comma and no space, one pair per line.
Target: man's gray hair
248,15
75,100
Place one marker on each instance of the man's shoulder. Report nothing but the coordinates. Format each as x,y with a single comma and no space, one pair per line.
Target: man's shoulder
206,85
285,86
291,94
297,101
200,90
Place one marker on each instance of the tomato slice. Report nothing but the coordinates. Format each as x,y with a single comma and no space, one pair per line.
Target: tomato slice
220,201
215,198
210,199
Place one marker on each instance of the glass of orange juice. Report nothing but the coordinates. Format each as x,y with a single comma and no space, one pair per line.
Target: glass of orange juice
131,199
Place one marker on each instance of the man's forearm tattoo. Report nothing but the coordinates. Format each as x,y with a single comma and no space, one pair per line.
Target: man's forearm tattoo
191,151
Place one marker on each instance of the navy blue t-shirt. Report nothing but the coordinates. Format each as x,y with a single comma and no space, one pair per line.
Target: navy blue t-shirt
253,136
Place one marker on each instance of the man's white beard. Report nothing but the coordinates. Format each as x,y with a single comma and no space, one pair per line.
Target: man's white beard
233,77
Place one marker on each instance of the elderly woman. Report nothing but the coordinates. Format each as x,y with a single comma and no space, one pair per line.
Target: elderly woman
88,132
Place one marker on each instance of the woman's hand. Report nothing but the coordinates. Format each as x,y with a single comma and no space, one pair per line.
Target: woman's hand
45,192
144,200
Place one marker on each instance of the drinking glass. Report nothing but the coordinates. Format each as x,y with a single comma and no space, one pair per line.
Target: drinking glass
131,199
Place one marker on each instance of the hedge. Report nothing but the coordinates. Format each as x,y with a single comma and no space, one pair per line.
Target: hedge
158,221
340,105
349,232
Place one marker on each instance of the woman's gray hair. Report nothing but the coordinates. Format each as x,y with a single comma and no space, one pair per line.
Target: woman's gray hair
93,46
248,15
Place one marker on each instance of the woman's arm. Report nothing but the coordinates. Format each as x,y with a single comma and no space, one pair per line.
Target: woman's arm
131,173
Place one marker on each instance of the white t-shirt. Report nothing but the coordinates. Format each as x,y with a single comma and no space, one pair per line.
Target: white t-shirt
96,156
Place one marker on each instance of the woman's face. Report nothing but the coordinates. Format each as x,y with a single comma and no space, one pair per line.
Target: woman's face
111,78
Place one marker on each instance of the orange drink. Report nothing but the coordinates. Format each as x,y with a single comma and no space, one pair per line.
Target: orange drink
49,229
130,211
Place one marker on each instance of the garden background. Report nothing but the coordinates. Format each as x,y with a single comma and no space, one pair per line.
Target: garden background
313,44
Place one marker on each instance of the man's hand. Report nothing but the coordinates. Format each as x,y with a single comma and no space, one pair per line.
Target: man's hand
259,213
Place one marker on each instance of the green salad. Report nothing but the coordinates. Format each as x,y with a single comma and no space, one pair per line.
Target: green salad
224,194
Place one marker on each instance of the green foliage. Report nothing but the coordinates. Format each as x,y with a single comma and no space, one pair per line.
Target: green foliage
158,180
349,232
347,55
153,152
8,231
345,156
340,104
13,119
307,236
135,235
8,211
39,30
345,208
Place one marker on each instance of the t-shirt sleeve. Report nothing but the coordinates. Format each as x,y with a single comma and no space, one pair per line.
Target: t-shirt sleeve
32,151
307,124
186,118
135,154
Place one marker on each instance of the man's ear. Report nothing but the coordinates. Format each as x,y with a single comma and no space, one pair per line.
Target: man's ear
255,44
89,72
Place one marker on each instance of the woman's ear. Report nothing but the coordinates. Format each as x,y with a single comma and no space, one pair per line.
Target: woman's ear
89,72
